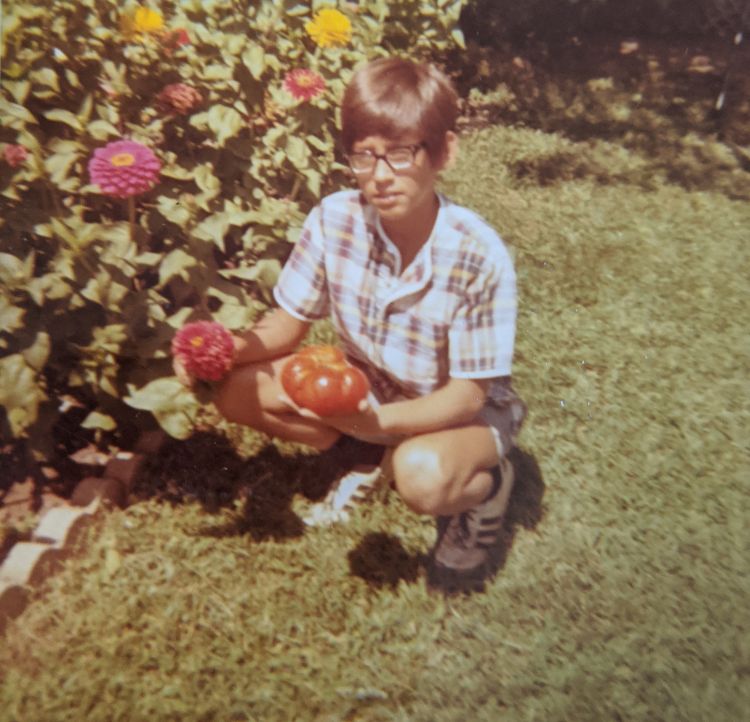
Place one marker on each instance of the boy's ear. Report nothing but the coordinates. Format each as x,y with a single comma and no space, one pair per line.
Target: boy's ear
450,152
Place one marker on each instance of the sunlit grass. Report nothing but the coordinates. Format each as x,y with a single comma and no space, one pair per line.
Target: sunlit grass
623,593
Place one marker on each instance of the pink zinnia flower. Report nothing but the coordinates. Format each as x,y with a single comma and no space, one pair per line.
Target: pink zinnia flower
181,37
15,155
304,84
179,98
124,168
205,348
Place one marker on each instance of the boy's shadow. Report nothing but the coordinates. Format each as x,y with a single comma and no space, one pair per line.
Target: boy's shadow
381,560
207,469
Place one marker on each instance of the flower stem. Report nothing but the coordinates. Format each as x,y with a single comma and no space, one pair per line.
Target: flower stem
295,188
131,217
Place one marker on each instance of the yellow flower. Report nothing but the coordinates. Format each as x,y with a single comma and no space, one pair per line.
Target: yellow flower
147,21
329,28
143,20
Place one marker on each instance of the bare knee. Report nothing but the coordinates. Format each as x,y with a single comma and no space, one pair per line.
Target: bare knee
421,477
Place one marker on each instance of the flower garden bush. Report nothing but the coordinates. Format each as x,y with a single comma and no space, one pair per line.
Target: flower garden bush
157,163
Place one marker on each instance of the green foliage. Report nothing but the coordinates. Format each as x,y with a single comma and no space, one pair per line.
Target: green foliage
90,300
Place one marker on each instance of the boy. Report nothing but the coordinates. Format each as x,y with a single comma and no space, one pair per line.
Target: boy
422,294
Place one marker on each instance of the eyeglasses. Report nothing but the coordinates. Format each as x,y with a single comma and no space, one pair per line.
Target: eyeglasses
397,159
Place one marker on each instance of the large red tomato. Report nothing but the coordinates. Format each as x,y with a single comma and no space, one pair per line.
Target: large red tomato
319,378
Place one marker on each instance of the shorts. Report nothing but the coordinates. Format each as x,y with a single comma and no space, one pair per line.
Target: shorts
504,419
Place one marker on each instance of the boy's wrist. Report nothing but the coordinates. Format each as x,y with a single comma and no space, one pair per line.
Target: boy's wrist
385,418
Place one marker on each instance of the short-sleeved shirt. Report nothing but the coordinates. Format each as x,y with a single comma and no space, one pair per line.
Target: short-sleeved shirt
450,314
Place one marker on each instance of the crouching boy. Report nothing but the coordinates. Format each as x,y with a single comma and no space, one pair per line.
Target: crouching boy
422,294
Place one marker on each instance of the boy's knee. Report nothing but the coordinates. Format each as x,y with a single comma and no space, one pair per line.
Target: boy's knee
421,479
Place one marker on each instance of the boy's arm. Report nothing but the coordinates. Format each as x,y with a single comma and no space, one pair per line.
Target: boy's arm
456,403
276,334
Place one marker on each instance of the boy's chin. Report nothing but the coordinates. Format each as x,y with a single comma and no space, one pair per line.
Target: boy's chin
394,210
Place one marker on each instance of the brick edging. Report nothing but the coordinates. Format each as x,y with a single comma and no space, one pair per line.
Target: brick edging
55,538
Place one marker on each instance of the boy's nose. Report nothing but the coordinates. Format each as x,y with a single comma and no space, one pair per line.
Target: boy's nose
381,170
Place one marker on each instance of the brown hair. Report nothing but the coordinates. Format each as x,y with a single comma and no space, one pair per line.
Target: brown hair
395,97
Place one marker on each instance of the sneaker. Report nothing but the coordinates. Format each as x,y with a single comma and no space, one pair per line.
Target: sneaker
350,490
464,539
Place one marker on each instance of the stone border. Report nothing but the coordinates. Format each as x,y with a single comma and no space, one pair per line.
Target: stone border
57,533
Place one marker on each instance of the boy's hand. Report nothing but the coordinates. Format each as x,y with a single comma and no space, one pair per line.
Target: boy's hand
182,374
186,378
365,421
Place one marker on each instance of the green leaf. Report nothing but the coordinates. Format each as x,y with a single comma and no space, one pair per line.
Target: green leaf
177,172
212,228
11,269
72,78
176,263
224,122
265,272
14,110
169,401
84,112
173,210
19,90
98,420
102,129
318,143
298,152
217,72
11,317
314,179
58,166
37,354
20,393
205,178
254,59
103,290
149,259
64,116
52,286
46,77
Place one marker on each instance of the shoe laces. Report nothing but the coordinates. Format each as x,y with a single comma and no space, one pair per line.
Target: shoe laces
459,531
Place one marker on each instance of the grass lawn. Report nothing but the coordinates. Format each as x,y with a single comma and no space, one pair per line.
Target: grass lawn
623,582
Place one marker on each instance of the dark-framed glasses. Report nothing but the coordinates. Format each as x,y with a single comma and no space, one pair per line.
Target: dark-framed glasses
399,158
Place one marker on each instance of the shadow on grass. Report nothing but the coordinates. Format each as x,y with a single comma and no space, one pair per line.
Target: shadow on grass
525,507
381,560
207,469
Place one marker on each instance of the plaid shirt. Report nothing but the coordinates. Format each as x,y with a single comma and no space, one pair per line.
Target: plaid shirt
450,314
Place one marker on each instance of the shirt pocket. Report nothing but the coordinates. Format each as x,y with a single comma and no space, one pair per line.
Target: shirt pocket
416,350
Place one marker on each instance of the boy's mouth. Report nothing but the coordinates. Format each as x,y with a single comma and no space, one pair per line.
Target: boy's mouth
385,198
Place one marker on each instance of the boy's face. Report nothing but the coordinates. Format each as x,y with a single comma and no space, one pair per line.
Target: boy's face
400,194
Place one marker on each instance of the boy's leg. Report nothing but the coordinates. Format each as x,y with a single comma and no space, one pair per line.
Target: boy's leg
446,472
250,396
462,477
